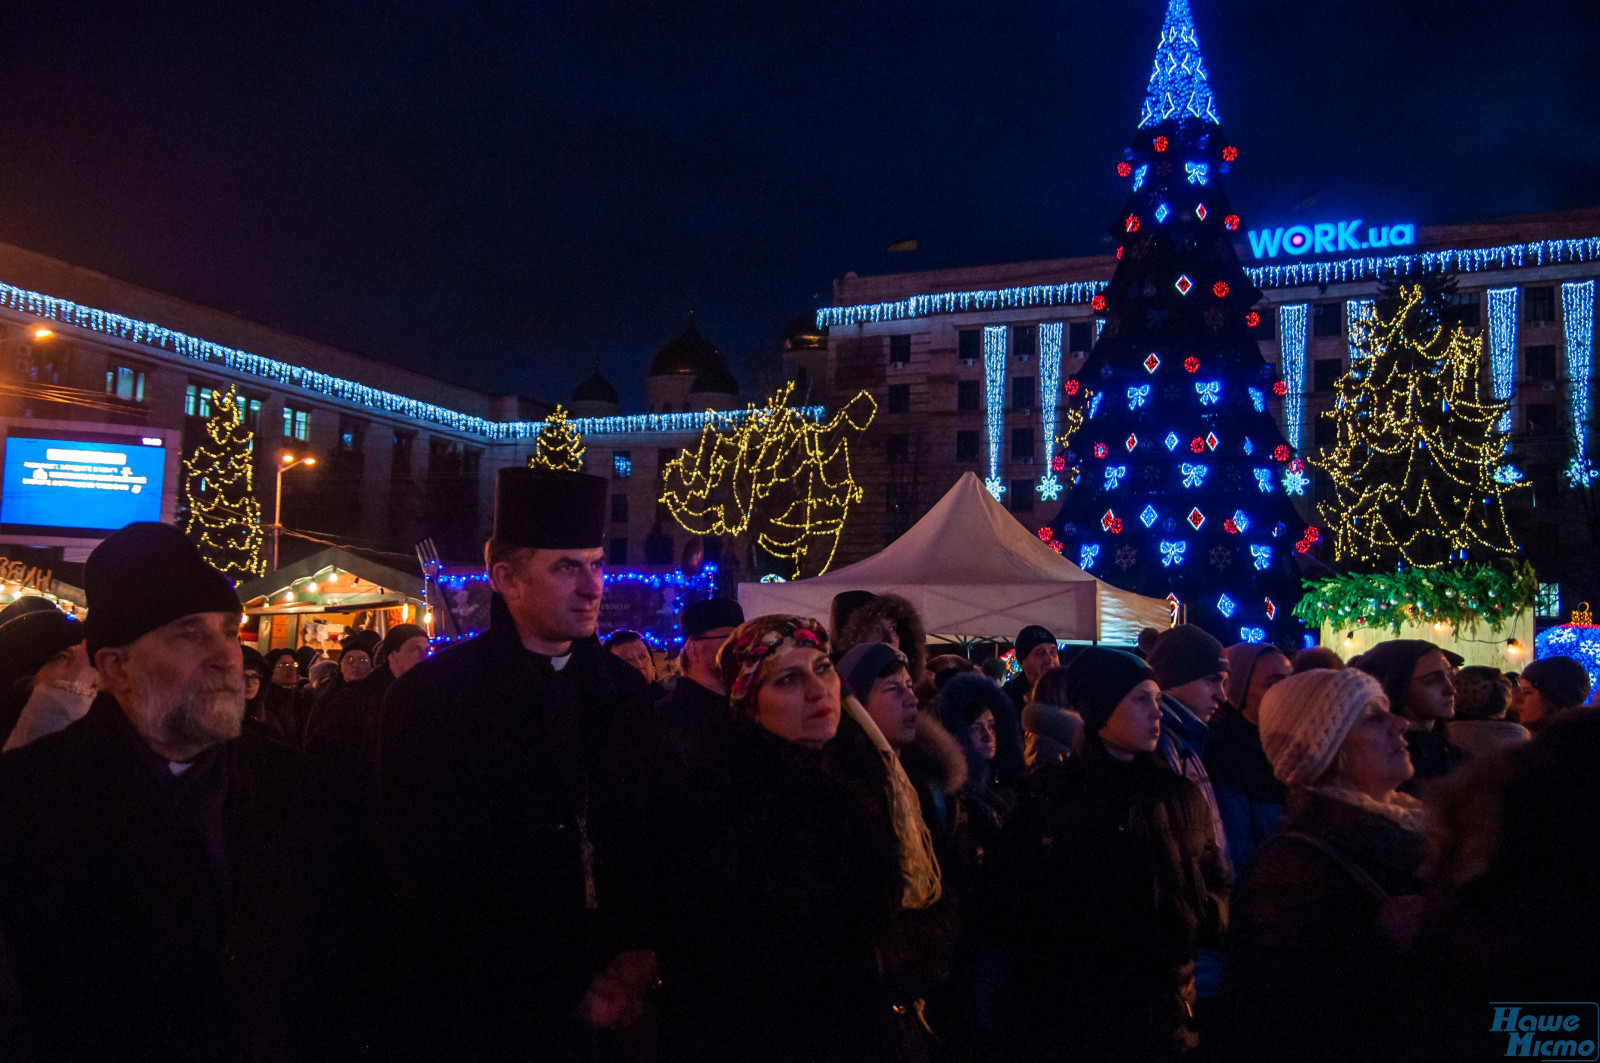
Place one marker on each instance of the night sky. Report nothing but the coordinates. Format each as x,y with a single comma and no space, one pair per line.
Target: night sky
499,194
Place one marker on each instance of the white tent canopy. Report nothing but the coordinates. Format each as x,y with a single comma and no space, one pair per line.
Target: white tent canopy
971,570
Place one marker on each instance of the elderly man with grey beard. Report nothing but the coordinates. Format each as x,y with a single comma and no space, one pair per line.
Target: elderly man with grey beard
170,889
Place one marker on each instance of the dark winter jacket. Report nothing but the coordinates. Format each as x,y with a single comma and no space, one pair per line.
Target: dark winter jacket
343,733
1310,975
778,896
201,916
937,767
1183,739
513,835
1249,797
1432,756
1106,879
1050,734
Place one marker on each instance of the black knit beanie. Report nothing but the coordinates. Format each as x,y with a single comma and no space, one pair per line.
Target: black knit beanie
1185,653
144,576
33,635
1097,681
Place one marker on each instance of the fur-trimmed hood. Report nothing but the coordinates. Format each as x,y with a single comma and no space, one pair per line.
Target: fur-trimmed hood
907,625
936,754
1051,734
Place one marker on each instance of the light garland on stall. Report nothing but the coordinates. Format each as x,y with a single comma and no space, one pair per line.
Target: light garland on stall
218,486
1050,337
1293,326
994,386
1502,311
1416,450
1577,323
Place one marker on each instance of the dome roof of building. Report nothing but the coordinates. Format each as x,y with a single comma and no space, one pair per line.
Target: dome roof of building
595,388
690,353
715,381
802,334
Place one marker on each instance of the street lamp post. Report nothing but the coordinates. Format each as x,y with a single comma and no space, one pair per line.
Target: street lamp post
286,462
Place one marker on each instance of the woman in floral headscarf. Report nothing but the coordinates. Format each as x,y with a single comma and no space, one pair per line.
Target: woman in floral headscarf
780,884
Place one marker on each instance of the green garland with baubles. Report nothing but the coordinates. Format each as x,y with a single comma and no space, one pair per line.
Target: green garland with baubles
1464,597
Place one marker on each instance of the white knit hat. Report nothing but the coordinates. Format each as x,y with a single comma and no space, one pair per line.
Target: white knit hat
1304,720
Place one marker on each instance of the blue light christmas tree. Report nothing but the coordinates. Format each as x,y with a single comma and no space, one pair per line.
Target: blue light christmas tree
1185,483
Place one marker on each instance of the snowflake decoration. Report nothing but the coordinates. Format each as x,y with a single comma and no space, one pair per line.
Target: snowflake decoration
1127,557
1294,482
996,488
1049,488
1221,557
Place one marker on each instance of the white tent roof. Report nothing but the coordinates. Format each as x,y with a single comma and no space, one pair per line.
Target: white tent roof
971,570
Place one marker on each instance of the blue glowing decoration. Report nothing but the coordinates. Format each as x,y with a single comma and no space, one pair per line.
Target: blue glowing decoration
1502,306
1088,554
994,386
1114,475
1148,517
1259,401
995,486
621,466
1262,555
1328,238
1099,327
1293,322
1210,391
1252,635
1139,175
1295,482
1194,475
1292,275
1137,396
1050,386
773,577
1264,480
1094,404
1178,81
1577,321
1582,644
1508,474
1359,315
1172,441
1226,606
1172,552
1247,446
1161,212
1196,172
1240,521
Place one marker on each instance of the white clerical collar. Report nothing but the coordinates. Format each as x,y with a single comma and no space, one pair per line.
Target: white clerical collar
559,663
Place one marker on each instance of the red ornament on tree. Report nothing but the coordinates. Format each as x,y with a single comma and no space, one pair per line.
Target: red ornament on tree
1160,143
1124,169
1219,289
1191,364
1198,445
1230,527
1280,388
1045,534
1100,450
1058,464
1230,153
1252,319
1071,386
1132,224
1098,303
1056,544
1280,452
1312,535
1231,222
1119,254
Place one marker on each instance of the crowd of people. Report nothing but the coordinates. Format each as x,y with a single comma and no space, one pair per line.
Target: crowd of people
807,840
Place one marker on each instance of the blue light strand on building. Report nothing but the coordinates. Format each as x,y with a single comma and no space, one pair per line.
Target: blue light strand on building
1293,326
1577,323
1289,275
1178,84
1357,314
994,386
1050,340
1502,309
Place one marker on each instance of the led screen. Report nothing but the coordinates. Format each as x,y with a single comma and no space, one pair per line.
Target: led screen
77,484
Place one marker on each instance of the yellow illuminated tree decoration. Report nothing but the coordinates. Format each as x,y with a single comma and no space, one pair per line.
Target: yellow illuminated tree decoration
773,476
558,445
1418,462
224,515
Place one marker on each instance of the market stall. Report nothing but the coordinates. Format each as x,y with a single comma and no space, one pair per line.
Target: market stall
321,598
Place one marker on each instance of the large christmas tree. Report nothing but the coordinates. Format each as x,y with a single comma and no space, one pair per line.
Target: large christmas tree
224,514
1184,480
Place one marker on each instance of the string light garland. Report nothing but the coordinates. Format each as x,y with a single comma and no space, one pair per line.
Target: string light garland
1416,448
1050,336
218,487
1356,311
1293,329
558,446
1577,324
773,475
1464,597
994,386
1178,84
1502,308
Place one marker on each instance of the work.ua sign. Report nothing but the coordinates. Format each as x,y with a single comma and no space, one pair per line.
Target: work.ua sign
1329,238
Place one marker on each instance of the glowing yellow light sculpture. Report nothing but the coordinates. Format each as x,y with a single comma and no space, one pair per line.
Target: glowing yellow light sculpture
1418,462
775,476
558,444
218,485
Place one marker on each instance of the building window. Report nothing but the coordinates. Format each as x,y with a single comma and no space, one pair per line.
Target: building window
352,435
1025,341
967,396
969,344
898,447
1022,393
1541,303
400,457
1539,362
899,350
617,555
1464,310
621,464
899,398
1542,419
197,400
665,455
1327,319
251,409
619,509
1080,336
296,423
1325,373
1020,496
967,445
125,383
1022,444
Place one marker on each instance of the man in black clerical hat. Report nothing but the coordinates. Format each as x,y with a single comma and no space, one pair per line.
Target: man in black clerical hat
502,788
169,888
